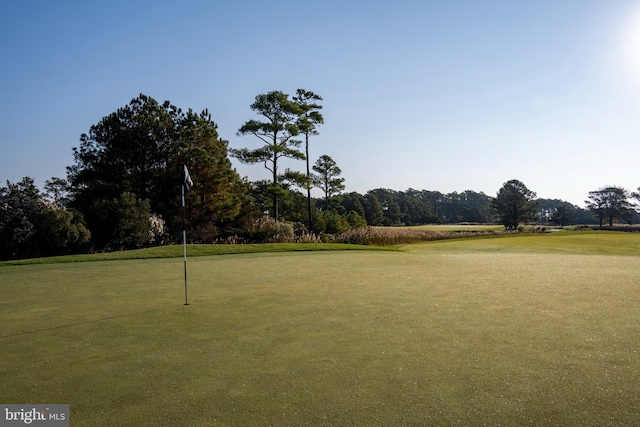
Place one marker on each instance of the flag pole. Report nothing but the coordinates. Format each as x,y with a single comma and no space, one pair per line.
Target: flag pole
184,245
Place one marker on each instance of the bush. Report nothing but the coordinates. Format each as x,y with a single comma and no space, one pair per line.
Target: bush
355,220
335,223
268,230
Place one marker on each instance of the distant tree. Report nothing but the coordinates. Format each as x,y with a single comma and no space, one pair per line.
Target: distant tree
327,178
354,202
609,203
31,226
277,133
334,223
292,203
636,195
56,190
19,208
355,220
438,203
308,120
515,204
374,213
562,215
476,207
388,199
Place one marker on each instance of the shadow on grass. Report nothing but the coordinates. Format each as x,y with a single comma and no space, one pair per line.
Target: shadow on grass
35,331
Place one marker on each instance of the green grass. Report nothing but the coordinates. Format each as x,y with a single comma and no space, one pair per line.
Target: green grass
176,251
561,242
511,330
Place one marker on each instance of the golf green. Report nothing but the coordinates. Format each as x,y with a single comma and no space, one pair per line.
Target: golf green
500,331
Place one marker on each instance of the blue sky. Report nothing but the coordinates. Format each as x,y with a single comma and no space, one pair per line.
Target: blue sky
437,95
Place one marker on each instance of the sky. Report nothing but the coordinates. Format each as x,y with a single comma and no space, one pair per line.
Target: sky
442,95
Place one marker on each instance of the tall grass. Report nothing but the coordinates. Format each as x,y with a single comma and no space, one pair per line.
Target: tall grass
379,236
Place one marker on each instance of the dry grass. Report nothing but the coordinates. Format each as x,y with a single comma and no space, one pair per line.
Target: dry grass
389,236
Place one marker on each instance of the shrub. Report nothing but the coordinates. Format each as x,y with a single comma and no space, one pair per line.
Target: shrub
334,223
268,230
355,220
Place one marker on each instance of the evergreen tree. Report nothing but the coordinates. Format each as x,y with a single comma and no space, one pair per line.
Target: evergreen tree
139,150
277,133
327,178
515,204
308,121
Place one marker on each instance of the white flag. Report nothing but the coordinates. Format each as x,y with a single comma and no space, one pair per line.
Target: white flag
188,183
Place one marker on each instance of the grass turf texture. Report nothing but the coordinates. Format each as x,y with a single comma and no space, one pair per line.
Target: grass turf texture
539,330
176,251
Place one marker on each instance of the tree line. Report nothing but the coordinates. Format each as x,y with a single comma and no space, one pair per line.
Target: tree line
123,189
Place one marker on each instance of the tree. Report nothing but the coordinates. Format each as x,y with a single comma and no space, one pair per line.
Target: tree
388,200
308,120
218,194
139,150
334,223
374,214
354,202
125,223
30,226
476,207
356,220
57,191
515,204
609,203
277,132
327,178
562,215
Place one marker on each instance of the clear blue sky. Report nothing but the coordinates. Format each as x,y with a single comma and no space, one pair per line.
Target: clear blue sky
438,95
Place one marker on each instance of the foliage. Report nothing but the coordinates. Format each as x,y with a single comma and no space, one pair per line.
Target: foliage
268,230
558,212
277,133
31,226
515,204
334,223
140,150
327,178
132,223
309,118
415,207
609,203
355,220
374,213
56,190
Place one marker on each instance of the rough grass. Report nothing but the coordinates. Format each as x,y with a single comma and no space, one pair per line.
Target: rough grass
520,332
391,236
176,251
458,227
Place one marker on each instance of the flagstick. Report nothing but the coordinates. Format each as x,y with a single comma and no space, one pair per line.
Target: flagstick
184,245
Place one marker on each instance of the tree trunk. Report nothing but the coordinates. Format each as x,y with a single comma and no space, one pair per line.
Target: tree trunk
275,179
309,186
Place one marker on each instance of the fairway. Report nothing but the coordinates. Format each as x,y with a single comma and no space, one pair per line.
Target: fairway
510,330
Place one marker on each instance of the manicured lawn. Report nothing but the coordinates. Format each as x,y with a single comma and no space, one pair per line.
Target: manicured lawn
512,330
